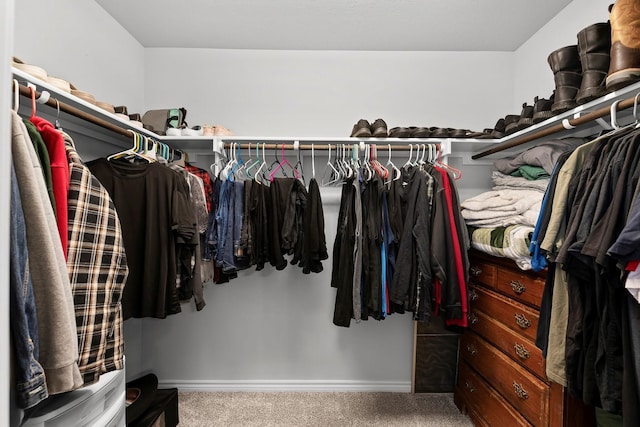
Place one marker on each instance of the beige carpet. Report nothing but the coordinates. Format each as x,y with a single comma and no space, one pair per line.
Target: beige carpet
199,409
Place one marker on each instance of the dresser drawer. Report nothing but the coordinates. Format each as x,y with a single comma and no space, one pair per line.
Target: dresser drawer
520,286
526,393
517,347
517,316
480,398
483,272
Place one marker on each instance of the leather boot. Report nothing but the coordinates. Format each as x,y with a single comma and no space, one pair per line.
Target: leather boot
594,46
624,68
567,73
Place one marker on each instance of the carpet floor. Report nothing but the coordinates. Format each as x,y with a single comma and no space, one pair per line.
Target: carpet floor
204,409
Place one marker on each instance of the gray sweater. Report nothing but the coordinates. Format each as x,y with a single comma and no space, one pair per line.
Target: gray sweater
54,302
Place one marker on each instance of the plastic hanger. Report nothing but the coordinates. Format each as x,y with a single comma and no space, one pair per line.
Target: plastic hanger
331,174
408,164
281,164
258,173
457,173
275,165
254,163
237,170
298,165
313,163
133,152
394,171
16,95
32,91
366,170
382,171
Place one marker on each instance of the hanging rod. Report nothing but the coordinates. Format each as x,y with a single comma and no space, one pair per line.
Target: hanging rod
274,146
54,103
559,127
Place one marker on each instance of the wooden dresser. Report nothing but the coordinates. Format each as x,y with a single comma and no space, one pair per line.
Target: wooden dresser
501,373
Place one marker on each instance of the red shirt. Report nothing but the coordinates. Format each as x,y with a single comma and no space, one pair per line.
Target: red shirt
59,174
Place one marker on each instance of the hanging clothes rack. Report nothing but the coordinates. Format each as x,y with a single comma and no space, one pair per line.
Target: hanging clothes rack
274,146
566,124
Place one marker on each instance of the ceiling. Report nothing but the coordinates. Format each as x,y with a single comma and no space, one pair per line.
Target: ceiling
394,25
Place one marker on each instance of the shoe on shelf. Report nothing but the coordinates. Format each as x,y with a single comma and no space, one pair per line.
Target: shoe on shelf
379,129
542,109
511,124
420,132
567,75
498,129
526,117
399,132
624,67
594,47
362,129
194,131
221,131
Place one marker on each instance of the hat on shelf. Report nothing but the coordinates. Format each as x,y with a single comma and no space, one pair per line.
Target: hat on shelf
37,72
85,96
59,83
106,106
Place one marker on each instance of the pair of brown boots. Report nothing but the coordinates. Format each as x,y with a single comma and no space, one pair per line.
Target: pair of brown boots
606,58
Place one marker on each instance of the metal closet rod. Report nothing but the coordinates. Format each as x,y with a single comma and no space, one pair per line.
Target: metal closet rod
275,146
559,127
54,103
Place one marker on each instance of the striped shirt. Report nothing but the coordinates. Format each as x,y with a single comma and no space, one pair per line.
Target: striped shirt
98,270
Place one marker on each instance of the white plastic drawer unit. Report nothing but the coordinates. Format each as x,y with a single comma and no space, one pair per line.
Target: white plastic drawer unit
98,405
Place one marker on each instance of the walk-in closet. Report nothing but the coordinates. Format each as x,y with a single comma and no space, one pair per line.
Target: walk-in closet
247,213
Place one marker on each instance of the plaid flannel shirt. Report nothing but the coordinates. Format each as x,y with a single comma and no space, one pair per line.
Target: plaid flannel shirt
98,270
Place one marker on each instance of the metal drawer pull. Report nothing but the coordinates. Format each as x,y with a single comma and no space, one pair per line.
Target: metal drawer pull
471,349
475,271
470,386
520,391
517,287
473,295
473,318
522,321
521,351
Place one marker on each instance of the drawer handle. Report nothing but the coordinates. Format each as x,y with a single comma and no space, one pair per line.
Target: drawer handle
517,287
520,391
475,271
473,318
471,349
521,351
473,295
470,386
522,321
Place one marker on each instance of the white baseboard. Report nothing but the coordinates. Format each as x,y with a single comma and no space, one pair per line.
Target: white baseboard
293,385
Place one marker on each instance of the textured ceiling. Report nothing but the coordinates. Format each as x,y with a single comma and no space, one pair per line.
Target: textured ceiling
410,25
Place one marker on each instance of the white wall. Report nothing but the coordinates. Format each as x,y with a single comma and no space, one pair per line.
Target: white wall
312,93
533,76
274,329
80,42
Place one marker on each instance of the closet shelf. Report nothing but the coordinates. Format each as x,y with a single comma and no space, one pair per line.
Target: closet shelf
584,120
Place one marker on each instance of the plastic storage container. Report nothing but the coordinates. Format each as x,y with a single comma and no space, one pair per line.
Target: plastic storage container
98,405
